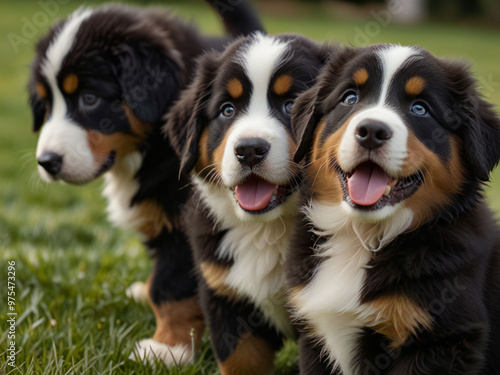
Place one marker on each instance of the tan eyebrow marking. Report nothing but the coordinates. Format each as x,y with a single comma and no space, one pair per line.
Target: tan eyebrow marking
40,90
282,84
234,88
70,83
360,77
415,86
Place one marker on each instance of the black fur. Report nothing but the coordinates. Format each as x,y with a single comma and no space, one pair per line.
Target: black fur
191,123
449,265
140,59
444,266
238,16
198,109
173,276
229,320
185,124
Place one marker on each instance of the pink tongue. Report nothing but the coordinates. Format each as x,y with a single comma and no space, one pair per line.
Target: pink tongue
254,194
367,185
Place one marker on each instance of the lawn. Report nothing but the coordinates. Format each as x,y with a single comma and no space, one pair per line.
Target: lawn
72,267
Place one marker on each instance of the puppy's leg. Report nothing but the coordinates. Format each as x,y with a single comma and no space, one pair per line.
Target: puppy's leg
243,341
174,300
138,291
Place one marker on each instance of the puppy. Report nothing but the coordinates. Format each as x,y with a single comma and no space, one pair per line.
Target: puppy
100,83
231,128
395,268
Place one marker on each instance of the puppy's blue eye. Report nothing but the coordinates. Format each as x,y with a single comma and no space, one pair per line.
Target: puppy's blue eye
351,98
419,109
88,100
288,106
227,110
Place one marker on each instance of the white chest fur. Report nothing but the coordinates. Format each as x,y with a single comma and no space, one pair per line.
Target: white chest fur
258,251
331,301
120,188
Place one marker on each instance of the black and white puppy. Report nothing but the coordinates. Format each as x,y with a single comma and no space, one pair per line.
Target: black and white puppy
395,268
231,129
100,83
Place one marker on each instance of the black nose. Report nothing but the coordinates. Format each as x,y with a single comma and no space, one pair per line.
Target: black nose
372,134
51,162
251,151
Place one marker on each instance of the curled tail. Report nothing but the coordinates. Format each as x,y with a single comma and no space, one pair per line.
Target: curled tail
239,16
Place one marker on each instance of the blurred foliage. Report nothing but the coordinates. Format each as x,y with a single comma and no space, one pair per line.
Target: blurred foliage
487,10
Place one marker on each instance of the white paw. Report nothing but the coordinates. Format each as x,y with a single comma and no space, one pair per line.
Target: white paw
138,291
150,351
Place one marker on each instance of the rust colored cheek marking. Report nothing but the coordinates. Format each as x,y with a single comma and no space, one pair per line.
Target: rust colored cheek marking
283,84
139,128
218,153
442,180
234,88
70,83
41,91
325,180
204,157
360,77
414,86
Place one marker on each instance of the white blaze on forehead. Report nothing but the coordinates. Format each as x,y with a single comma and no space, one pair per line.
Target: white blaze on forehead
392,59
393,155
62,43
55,55
60,134
260,61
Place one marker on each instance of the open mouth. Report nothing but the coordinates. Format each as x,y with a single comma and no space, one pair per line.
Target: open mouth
108,163
257,196
369,187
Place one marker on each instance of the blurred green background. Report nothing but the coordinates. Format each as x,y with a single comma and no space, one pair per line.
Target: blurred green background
72,266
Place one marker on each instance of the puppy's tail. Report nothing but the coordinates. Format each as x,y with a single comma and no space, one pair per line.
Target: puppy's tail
238,16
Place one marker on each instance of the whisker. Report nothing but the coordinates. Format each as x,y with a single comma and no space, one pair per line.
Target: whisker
208,166
322,165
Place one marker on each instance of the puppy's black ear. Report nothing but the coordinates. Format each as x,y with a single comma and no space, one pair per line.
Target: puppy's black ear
482,138
38,108
150,79
187,118
304,121
479,125
331,60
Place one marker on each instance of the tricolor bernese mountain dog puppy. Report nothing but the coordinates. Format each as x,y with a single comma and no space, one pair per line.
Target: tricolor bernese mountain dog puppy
100,84
395,267
232,130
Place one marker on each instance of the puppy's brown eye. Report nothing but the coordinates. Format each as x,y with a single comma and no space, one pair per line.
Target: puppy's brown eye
351,98
288,106
227,110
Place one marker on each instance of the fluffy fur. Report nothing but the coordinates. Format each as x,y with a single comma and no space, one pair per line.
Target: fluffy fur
243,96
408,283
100,84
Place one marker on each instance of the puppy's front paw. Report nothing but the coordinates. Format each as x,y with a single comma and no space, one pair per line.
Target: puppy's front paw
150,351
138,291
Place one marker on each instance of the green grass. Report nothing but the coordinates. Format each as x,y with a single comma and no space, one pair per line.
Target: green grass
72,266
